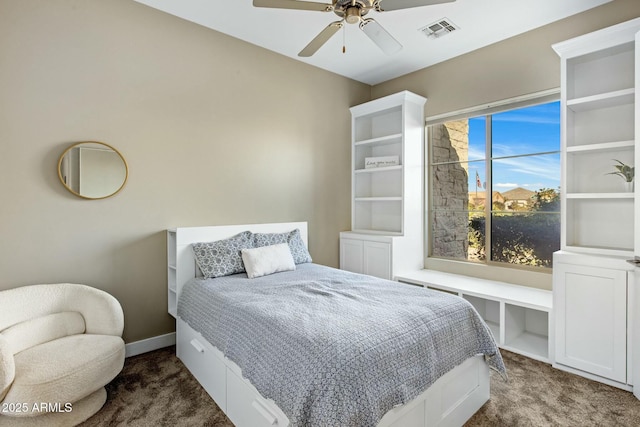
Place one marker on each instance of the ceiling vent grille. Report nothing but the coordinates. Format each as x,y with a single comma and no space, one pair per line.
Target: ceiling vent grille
440,28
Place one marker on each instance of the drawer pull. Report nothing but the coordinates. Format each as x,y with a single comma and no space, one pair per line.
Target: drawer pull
271,419
196,344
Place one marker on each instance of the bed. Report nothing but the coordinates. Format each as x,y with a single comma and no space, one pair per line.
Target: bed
354,356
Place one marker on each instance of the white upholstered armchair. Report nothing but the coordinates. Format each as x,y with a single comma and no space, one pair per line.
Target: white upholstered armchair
60,344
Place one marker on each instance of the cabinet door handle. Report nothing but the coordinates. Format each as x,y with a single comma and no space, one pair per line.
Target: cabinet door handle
271,419
196,344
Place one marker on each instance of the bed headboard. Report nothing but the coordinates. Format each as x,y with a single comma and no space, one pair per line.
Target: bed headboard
181,262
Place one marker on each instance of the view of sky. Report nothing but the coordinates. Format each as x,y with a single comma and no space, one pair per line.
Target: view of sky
529,130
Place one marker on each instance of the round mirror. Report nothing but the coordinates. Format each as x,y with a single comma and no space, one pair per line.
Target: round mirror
92,170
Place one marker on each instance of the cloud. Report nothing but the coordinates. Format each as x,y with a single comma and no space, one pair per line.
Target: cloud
539,114
545,166
505,185
475,154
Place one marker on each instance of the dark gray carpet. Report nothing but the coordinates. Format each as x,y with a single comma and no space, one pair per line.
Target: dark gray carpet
155,389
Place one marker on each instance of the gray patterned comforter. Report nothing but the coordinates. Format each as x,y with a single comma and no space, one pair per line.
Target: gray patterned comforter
334,348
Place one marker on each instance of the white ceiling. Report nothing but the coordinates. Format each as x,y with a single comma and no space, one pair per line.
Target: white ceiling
480,23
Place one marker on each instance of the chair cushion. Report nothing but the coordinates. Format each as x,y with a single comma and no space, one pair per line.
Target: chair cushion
42,329
65,370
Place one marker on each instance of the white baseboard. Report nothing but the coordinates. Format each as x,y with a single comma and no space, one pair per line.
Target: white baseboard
150,344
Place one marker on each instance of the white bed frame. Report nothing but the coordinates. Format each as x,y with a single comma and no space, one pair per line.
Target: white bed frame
450,401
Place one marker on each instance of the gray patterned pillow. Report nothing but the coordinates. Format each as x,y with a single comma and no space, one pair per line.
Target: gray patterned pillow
293,238
222,257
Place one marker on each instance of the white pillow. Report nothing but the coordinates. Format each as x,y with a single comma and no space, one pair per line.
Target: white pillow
267,260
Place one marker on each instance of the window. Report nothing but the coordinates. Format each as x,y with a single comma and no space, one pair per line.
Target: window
494,187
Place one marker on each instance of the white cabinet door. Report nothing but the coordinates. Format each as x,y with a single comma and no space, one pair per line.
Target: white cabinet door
377,259
351,255
591,319
366,257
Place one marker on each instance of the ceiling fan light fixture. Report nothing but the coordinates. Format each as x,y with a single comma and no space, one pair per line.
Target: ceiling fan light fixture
352,15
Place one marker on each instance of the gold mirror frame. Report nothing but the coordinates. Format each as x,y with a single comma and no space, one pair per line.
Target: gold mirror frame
65,163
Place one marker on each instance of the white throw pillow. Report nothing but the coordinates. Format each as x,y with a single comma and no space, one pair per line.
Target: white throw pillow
267,260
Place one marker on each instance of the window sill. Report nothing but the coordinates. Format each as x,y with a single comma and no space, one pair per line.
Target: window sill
516,276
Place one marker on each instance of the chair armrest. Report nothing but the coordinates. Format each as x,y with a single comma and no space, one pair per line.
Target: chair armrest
101,311
7,367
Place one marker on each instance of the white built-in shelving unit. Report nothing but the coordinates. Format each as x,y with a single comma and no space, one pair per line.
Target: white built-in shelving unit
598,98
594,290
386,205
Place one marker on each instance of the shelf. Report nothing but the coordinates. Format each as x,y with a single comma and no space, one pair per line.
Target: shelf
597,222
376,232
382,140
601,71
601,250
628,195
378,213
378,170
377,183
531,345
602,146
527,331
390,148
588,172
378,199
604,100
371,126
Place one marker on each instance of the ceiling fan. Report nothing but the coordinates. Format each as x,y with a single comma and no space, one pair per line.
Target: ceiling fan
351,12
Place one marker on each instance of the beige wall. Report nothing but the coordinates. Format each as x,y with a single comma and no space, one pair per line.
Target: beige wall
215,131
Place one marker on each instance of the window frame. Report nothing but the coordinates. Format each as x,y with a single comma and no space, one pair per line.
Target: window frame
489,269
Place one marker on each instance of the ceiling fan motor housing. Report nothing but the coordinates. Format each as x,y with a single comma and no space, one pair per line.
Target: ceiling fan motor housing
353,15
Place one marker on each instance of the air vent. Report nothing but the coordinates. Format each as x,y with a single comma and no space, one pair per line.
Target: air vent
440,28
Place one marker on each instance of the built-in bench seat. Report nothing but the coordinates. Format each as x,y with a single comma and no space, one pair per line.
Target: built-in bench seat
517,315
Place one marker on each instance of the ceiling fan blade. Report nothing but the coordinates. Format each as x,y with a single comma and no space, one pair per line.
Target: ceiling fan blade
292,4
321,39
406,4
380,36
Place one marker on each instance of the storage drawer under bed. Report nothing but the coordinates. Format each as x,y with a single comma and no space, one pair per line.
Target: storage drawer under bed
222,379
205,362
245,406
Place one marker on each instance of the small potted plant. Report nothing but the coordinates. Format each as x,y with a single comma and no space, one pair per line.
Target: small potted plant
626,172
